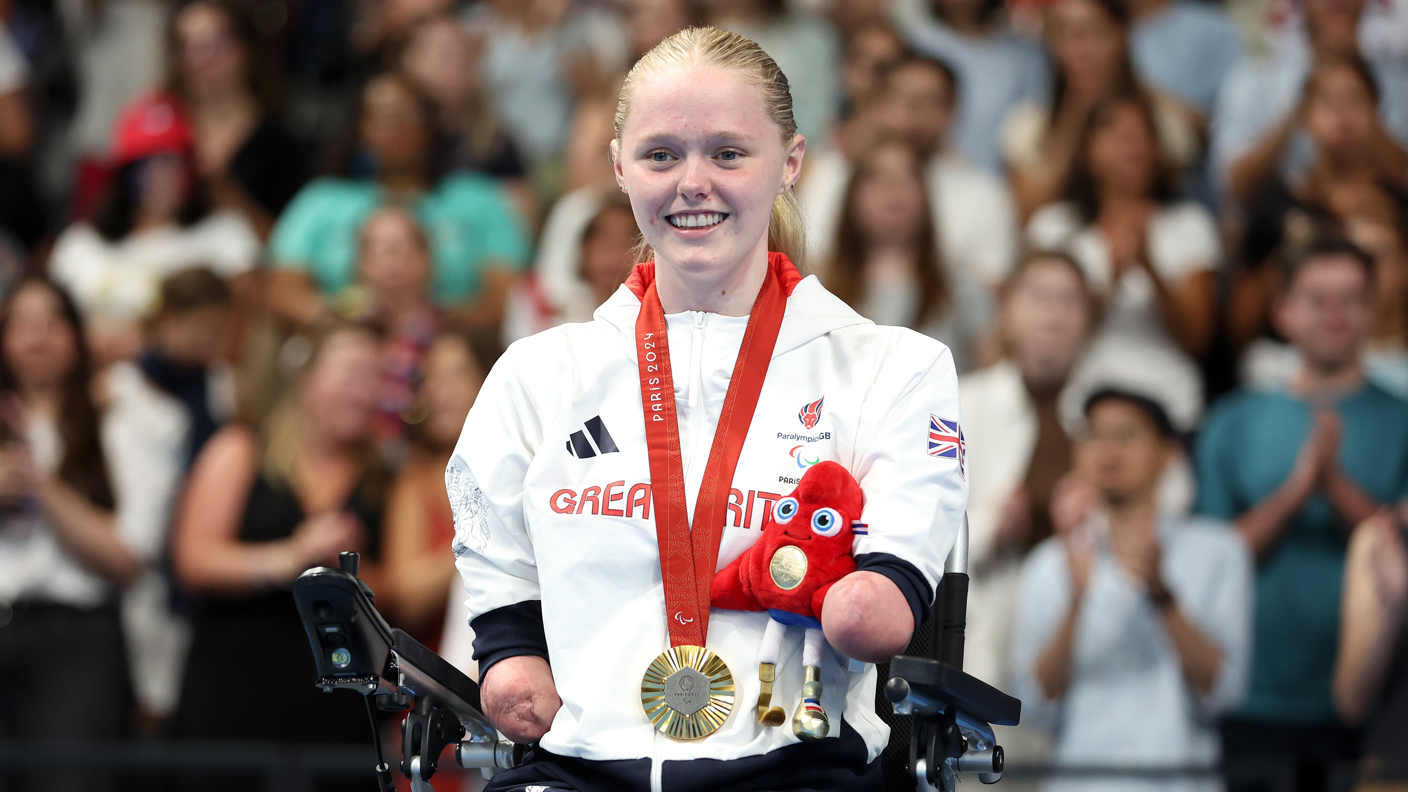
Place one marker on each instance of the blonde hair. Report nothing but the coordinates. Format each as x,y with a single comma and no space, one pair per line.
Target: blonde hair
281,436
709,46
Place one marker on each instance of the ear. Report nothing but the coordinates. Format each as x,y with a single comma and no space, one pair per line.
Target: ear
792,167
616,164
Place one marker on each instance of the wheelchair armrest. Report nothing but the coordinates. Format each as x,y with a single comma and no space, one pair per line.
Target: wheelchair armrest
942,683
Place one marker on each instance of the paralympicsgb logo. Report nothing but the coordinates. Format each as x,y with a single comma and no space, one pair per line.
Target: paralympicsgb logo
810,415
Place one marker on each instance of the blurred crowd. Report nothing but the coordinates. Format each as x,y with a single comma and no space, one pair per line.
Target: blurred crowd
258,255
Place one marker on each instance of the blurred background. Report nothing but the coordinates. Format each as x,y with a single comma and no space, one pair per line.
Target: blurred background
258,255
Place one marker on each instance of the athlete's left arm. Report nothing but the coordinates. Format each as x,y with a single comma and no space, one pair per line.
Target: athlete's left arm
916,491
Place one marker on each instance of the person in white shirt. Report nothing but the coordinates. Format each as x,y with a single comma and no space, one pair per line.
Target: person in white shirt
1150,257
1019,450
973,215
1133,629
572,502
65,551
154,221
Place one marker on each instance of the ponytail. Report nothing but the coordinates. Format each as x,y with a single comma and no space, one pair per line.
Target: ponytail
787,229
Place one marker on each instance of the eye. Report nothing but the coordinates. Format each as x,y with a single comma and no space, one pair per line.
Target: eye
659,156
730,156
826,522
786,510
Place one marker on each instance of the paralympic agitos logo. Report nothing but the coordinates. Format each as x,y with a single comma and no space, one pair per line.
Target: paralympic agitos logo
803,457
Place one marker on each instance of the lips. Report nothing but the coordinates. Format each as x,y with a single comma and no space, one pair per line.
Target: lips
689,221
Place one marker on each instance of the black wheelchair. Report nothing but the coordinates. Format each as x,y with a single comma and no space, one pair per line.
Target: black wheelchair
941,719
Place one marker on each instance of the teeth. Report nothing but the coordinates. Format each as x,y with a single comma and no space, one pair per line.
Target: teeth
696,220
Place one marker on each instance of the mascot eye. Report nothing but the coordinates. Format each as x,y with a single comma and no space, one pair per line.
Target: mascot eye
826,522
785,511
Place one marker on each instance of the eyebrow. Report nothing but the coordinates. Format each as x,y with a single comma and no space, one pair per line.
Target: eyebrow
721,137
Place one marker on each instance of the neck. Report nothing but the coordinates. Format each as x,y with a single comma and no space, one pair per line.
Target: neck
146,221
1140,9
42,399
1043,374
224,101
1327,380
730,292
1136,510
404,178
966,21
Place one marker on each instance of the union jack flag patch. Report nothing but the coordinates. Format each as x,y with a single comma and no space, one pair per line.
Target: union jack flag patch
946,441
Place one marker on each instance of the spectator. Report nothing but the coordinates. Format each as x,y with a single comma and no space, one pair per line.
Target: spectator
997,69
477,237
1374,221
870,51
22,214
245,155
1340,117
1150,257
184,358
607,252
1133,626
1257,129
1385,239
154,220
1295,467
64,553
392,290
115,55
259,509
971,209
1183,47
1371,667
649,22
1356,159
160,411
420,567
441,60
555,287
525,68
805,48
1018,449
885,262
1088,40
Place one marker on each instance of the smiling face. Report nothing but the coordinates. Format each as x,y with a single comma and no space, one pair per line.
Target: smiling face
1326,311
702,161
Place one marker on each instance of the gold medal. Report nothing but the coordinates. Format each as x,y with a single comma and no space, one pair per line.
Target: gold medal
788,567
687,692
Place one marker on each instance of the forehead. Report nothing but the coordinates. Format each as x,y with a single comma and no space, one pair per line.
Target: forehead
1117,413
917,78
698,102
1337,272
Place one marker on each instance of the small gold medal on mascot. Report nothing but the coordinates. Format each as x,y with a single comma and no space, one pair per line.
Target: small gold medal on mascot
687,692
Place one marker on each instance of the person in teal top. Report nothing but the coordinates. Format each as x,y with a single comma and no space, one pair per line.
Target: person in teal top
478,239
1296,469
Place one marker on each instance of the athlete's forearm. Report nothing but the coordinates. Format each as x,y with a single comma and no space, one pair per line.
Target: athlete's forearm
867,617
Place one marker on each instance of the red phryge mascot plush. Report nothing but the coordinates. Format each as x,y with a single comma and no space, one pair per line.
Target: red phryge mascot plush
805,549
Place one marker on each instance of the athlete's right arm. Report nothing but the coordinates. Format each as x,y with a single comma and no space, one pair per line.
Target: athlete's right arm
495,555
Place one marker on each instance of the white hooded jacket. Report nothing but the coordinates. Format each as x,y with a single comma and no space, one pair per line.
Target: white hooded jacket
550,488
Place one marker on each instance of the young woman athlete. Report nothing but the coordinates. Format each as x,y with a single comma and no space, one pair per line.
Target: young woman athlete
609,468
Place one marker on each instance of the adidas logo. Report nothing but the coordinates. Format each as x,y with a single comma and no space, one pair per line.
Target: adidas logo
578,445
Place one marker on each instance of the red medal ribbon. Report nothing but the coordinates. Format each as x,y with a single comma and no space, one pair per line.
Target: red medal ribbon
688,557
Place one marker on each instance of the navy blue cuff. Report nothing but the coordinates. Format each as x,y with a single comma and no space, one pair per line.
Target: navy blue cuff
510,631
906,576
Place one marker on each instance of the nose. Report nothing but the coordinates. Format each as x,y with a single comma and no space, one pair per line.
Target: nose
694,182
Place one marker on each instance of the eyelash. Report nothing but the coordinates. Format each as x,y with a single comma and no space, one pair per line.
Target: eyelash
651,156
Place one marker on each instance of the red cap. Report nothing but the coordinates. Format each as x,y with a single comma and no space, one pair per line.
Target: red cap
152,124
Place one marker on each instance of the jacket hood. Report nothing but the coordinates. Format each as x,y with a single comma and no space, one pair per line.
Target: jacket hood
811,311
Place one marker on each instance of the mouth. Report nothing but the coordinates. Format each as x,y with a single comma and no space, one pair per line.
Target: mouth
796,537
696,221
